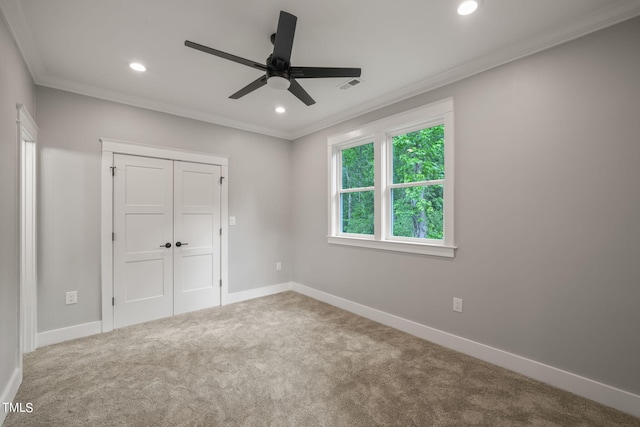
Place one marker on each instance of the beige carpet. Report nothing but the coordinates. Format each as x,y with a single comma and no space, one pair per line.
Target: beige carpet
282,360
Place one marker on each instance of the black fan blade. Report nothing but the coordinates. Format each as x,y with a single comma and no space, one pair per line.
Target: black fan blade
300,93
256,84
283,42
319,72
225,55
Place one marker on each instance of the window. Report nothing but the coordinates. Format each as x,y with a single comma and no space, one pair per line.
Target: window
391,183
357,189
417,171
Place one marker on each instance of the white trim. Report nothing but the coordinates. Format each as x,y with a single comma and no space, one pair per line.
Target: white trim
106,242
381,132
607,15
449,186
92,328
19,27
395,245
70,333
111,146
585,387
136,149
10,391
256,293
27,122
394,123
224,241
27,143
127,98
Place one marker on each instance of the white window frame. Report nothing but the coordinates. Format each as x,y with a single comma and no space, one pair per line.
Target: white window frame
368,139
381,132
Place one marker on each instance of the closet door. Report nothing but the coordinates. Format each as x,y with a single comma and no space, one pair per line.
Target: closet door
196,236
143,246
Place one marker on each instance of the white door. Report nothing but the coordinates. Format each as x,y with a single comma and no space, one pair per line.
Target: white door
196,232
167,238
143,246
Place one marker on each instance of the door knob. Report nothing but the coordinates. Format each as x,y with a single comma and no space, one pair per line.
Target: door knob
178,244
166,245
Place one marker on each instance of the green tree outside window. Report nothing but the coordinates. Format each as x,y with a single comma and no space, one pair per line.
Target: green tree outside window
418,157
417,190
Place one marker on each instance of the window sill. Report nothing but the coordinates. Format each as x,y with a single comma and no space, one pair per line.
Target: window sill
387,245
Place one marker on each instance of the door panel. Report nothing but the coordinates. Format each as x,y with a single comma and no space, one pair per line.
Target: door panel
197,273
197,223
200,228
143,222
142,230
148,279
198,188
142,187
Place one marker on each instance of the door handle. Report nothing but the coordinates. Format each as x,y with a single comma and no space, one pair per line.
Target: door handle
166,245
178,244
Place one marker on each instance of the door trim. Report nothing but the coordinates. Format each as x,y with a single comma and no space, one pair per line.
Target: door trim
110,147
27,140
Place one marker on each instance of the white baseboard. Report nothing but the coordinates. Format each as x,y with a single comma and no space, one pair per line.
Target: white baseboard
66,334
10,391
256,293
601,393
79,331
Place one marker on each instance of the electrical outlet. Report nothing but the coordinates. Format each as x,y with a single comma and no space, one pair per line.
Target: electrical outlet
72,297
457,304
278,266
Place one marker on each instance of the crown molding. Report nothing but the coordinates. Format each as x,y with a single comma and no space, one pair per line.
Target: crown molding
21,34
604,17
586,24
150,104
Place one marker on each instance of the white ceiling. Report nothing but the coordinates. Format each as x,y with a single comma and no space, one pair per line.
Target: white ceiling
404,47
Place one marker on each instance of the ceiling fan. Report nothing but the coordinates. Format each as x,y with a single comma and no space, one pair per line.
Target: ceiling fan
279,73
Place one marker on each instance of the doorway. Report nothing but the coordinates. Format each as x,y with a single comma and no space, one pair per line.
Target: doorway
27,138
163,238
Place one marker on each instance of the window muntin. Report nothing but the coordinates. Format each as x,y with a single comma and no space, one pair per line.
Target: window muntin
412,191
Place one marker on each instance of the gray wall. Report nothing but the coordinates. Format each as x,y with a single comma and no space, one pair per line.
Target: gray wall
16,86
69,233
547,213
547,169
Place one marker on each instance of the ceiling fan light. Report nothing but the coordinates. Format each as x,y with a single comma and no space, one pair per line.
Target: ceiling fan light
138,67
278,83
467,7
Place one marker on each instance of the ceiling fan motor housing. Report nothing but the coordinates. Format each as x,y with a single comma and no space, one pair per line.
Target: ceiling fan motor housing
272,72
279,74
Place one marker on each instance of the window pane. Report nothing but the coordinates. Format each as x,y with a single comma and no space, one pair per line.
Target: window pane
357,166
419,156
417,212
357,212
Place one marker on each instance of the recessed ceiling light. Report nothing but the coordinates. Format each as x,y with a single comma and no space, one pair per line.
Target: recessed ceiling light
138,67
467,7
280,110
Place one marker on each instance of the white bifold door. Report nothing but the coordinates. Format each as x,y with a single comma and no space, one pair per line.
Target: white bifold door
166,257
